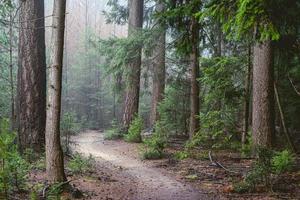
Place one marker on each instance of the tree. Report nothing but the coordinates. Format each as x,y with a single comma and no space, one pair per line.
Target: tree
133,71
31,100
159,68
54,153
195,75
263,94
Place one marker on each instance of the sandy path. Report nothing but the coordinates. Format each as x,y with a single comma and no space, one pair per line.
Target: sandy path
152,183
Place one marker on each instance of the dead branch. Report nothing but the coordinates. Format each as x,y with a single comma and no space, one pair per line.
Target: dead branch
218,164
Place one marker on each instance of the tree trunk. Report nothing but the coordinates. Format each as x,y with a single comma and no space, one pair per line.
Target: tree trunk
195,74
134,67
159,69
32,76
11,75
263,95
247,98
54,153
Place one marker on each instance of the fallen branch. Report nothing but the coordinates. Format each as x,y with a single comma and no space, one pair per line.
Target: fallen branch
217,164
296,90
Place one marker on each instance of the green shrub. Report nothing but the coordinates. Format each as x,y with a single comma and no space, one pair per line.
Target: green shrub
241,187
13,168
282,161
181,155
150,154
135,130
155,145
79,164
267,168
112,134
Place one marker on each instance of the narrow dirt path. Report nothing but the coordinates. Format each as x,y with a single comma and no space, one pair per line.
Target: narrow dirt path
152,183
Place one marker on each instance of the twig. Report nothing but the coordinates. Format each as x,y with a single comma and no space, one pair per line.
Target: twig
296,90
217,164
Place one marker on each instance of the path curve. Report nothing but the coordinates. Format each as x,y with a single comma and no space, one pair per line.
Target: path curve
153,183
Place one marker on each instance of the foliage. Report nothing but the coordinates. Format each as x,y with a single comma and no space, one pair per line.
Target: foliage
173,110
181,155
223,80
69,127
13,168
135,130
54,191
282,161
244,17
114,132
79,164
266,169
154,146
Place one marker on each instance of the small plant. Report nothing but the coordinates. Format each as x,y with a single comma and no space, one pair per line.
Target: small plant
79,164
69,127
266,169
13,168
181,155
282,162
150,154
155,144
54,191
39,164
114,133
134,131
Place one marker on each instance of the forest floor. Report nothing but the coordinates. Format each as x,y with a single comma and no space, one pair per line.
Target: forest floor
121,174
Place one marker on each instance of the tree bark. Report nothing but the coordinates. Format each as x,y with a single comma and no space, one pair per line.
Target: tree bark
195,74
31,99
263,95
134,67
54,153
159,69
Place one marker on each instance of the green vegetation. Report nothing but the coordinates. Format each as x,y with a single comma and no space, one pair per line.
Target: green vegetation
154,146
135,130
114,132
69,127
268,167
13,168
79,164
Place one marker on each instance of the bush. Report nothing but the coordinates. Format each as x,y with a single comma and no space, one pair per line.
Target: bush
282,162
155,144
79,164
13,168
151,154
181,155
266,169
134,131
114,133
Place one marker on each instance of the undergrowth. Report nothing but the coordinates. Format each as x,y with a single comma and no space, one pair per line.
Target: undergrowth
135,130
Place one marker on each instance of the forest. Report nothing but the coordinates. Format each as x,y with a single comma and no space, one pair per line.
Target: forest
149,99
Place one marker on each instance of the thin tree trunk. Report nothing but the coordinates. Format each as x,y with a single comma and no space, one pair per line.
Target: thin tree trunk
286,132
54,153
11,76
263,95
247,98
195,74
134,67
159,69
32,76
